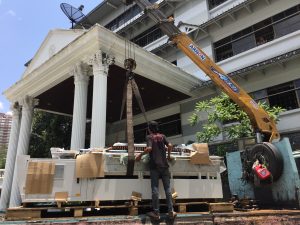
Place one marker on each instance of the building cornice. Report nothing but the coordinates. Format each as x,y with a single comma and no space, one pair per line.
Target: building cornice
263,64
58,67
280,59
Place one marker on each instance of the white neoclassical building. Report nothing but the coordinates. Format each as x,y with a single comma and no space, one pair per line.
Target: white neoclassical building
80,72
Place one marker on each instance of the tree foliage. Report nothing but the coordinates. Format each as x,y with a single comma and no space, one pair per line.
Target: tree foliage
3,152
49,130
222,110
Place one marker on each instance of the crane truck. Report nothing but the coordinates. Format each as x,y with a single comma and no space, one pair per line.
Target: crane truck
265,128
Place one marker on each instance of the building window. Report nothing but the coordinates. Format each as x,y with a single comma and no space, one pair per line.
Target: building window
214,3
170,126
5,126
264,32
125,17
287,22
267,30
285,95
243,41
148,36
223,49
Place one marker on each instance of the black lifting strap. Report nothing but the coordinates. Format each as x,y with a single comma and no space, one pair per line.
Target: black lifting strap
129,87
122,105
138,97
124,97
131,158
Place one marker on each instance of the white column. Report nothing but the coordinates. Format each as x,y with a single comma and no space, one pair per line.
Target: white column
10,157
81,81
23,145
100,63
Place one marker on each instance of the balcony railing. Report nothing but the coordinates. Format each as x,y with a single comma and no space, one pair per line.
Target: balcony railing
125,17
265,31
214,3
148,37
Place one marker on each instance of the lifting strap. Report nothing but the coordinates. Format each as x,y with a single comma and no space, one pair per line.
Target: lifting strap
139,99
130,88
137,95
130,135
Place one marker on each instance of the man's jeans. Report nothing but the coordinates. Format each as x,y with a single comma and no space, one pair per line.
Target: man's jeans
155,174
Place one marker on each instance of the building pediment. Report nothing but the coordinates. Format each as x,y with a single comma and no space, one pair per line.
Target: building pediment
55,41
49,78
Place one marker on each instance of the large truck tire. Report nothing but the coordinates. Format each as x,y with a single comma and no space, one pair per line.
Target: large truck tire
270,156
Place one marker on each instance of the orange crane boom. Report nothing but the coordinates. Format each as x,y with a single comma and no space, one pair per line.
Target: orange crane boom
260,120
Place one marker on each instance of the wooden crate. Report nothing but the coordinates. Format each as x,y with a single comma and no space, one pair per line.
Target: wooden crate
21,213
221,207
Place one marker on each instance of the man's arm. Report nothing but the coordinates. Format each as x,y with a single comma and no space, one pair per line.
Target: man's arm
146,151
170,146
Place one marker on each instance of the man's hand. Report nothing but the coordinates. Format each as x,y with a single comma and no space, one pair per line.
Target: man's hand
146,151
138,157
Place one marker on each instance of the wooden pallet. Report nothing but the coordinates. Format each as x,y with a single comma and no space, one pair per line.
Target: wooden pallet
21,213
131,207
185,207
221,207
35,212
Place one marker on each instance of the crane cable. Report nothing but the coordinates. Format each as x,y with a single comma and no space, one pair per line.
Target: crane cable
130,88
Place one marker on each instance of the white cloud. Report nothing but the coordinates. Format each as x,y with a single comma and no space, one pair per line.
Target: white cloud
9,113
11,12
1,104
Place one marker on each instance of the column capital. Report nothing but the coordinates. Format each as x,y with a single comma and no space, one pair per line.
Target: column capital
100,62
80,73
15,108
28,102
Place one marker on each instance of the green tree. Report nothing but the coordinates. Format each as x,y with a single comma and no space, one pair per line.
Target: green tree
222,110
49,130
3,152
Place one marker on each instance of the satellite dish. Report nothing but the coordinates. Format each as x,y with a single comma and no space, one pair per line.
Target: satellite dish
75,15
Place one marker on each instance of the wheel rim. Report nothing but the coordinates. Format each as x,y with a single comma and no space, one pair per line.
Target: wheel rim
270,156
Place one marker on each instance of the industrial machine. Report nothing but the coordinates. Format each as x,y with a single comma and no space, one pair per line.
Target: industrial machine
100,175
266,161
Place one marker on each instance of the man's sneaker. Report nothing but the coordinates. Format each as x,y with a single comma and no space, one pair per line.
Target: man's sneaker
172,215
153,215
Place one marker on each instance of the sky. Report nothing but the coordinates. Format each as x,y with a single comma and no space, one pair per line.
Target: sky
24,25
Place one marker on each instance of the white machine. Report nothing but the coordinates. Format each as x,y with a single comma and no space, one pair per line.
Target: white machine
188,180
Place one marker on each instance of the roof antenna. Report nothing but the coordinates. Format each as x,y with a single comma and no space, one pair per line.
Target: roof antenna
75,15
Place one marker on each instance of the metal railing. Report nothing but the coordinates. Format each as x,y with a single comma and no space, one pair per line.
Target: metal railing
214,3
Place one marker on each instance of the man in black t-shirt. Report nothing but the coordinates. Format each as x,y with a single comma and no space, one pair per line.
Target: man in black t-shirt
159,168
